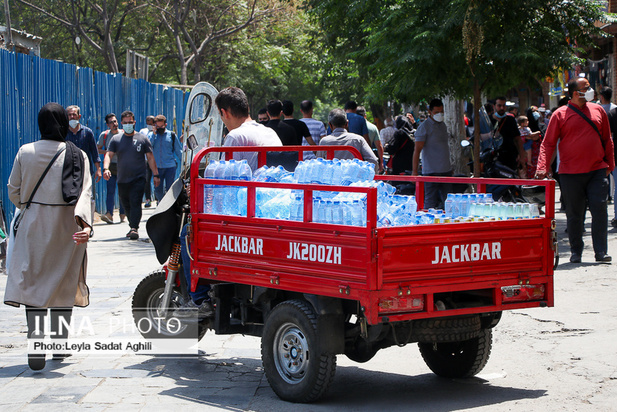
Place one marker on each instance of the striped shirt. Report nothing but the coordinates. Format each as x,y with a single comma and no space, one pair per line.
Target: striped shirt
317,131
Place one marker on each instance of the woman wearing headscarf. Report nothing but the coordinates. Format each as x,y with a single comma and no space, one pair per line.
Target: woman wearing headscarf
47,269
401,147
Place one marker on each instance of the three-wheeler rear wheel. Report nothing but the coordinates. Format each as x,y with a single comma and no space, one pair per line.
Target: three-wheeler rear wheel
458,359
296,366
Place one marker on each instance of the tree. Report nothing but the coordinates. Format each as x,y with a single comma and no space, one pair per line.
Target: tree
196,25
414,49
100,25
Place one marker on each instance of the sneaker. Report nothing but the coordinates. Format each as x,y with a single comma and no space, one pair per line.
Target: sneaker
133,234
148,203
108,218
575,258
122,217
190,309
604,258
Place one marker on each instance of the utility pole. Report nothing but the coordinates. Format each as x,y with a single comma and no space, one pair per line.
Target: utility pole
7,13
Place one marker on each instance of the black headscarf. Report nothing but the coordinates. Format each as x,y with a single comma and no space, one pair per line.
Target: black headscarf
54,125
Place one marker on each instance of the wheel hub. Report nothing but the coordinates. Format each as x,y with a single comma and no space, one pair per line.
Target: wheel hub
291,353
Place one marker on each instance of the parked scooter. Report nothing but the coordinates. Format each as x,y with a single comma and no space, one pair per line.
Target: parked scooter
493,168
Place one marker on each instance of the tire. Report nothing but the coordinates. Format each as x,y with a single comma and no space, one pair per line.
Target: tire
458,359
296,367
147,299
454,329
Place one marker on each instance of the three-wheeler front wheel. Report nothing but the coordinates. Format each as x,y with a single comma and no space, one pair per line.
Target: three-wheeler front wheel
458,359
296,367
147,305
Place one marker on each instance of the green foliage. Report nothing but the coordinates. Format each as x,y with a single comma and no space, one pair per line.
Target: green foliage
408,50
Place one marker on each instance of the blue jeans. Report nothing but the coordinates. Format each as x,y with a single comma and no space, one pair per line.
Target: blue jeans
110,201
167,175
579,190
201,292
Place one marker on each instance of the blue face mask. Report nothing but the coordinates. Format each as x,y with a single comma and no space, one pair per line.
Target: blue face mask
128,128
500,116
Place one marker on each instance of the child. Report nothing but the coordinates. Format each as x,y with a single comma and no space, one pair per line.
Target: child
527,135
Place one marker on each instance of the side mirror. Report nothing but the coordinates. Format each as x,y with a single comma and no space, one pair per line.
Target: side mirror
465,143
191,142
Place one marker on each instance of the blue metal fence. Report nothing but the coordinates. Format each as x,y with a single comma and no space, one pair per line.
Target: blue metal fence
29,82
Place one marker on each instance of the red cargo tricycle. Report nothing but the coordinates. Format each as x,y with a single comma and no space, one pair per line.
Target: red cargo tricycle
312,290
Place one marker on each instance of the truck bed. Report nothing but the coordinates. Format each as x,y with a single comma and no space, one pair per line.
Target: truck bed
395,273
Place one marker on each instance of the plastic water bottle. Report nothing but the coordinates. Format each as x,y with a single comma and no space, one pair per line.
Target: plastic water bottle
230,193
411,206
218,195
209,189
347,207
296,210
316,209
260,174
337,212
464,208
317,171
242,201
449,204
367,171
321,217
244,171
337,172
359,213
456,205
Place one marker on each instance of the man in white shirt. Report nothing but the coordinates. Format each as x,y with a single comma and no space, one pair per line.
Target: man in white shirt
243,131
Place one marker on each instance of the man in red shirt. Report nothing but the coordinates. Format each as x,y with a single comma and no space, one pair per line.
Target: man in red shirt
586,158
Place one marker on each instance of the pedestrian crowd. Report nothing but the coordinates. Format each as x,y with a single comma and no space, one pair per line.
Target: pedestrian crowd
47,266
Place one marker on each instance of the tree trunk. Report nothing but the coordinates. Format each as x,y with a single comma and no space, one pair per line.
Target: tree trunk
477,102
456,129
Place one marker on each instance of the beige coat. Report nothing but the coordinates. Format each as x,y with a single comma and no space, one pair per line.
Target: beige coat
47,268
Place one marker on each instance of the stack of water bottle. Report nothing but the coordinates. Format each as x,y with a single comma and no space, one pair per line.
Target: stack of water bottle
344,208
481,207
225,200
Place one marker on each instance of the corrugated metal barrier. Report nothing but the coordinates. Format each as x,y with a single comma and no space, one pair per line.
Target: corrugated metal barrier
29,82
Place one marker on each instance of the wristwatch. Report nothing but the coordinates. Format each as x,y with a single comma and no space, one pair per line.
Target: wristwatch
155,175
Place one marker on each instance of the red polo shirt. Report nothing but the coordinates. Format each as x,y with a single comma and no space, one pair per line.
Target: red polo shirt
581,150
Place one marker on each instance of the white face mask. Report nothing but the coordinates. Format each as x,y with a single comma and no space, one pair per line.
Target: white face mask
589,94
150,127
128,128
73,123
438,117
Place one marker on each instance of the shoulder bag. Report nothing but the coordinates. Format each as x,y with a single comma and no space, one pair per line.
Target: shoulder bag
36,187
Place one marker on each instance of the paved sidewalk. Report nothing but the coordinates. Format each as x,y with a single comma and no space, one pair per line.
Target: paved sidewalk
228,374
98,382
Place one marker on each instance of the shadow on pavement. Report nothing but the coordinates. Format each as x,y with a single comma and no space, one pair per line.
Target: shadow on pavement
238,383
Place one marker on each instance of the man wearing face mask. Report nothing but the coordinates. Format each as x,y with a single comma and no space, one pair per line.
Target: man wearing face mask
511,153
130,148
83,138
432,143
586,157
167,152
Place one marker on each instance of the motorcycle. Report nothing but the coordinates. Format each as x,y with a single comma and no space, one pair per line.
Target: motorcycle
164,290
493,168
